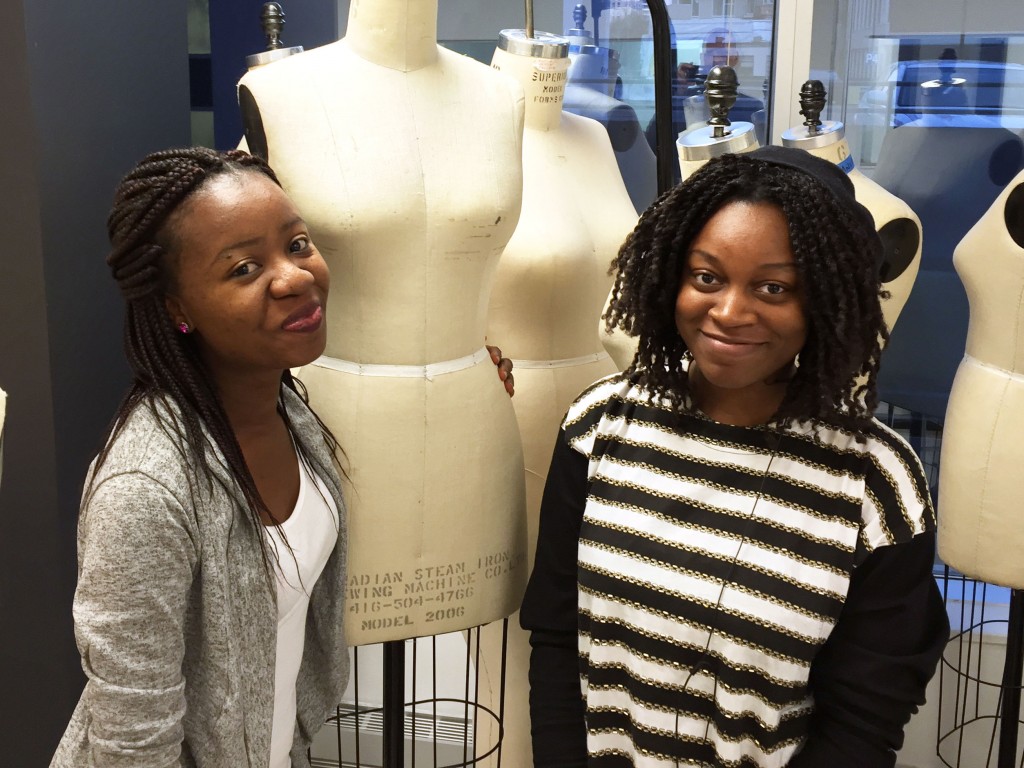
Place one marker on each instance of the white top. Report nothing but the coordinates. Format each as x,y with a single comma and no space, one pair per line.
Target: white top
311,531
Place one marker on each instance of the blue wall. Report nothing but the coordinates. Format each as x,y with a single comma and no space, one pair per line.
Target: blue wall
88,88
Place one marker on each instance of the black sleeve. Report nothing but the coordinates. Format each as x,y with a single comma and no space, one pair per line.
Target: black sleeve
871,674
549,614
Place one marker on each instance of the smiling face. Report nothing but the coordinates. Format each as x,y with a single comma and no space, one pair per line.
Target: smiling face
247,278
740,310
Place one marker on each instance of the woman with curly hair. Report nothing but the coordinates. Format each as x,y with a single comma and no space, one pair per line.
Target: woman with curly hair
734,557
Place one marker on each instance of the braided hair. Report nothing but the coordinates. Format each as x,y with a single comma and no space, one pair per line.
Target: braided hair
166,365
836,257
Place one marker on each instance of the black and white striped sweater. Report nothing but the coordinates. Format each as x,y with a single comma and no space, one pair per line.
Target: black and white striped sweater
709,564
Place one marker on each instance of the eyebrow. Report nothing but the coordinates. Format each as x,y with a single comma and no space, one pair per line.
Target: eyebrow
225,252
716,260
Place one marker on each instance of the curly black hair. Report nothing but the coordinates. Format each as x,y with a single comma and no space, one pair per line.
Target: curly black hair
166,365
836,256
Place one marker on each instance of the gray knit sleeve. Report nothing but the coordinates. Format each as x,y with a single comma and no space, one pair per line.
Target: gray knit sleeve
137,555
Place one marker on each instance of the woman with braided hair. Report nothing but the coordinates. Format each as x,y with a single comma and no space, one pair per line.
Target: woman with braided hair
212,529
734,557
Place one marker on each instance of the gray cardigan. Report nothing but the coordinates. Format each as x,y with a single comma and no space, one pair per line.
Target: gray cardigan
176,615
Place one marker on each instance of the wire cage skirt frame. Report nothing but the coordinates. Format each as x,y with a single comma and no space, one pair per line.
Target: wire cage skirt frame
980,686
429,728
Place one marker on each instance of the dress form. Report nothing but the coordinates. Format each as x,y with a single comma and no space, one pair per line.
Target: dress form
546,301
696,146
405,159
898,226
980,487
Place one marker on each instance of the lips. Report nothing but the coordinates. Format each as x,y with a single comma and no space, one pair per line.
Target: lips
730,345
306,319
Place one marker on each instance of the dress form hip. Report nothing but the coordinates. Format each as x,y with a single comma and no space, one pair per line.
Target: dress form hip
405,160
980,488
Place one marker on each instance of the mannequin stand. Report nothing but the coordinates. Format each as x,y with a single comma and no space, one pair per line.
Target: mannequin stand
394,703
438,740
1009,712
986,716
979,680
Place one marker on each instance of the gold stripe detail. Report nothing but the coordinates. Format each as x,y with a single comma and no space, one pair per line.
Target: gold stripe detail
723,489
839,572
733,663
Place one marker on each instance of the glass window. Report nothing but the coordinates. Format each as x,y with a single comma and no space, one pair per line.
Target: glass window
616,39
612,76
933,104
735,33
723,7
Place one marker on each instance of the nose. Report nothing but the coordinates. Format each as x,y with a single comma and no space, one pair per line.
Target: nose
733,307
289,278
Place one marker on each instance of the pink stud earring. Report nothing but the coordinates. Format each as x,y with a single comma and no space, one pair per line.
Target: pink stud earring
183,327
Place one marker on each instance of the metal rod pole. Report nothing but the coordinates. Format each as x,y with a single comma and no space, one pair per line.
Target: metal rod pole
359,712
529,19
412,737
1009,712
664,75
394,704
501,708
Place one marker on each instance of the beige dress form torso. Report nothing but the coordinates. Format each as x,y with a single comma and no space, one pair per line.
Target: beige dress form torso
981,490
405,160
547,298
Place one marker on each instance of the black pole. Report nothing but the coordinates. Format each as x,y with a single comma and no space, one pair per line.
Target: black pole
394,704
501,708
664,75
1009,714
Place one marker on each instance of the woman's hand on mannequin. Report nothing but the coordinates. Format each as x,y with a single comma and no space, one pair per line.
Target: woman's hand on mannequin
504,369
